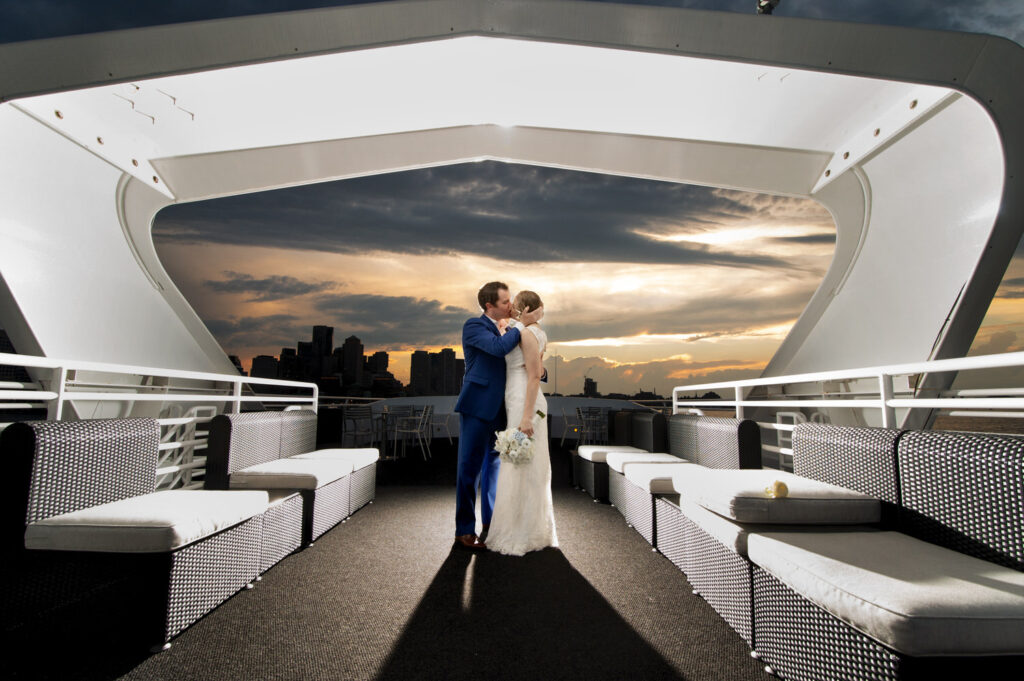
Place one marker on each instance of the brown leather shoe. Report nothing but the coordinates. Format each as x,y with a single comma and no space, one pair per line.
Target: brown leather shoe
469,541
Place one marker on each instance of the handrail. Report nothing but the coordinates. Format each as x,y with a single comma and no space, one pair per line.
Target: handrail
63,389
36,362
886,399
185,409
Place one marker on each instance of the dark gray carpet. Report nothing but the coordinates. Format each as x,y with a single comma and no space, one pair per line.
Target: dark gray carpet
385,596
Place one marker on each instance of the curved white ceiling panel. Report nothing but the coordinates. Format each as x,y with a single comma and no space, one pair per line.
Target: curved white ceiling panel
482,81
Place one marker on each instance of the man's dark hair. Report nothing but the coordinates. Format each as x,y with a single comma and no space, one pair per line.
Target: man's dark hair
489,294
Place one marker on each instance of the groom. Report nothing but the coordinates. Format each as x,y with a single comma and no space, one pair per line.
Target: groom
481,405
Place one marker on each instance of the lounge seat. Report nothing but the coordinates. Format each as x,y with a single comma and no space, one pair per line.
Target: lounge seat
363,481
152,523
712,551
912,596
741,496
943,595
634,491
257,450
590,470
291,474
634,501
85,531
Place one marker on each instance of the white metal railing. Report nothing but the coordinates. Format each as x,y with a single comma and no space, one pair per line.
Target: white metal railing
147,384
180,438
883,390
183,402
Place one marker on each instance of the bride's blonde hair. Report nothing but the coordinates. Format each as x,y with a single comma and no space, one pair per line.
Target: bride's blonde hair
526,299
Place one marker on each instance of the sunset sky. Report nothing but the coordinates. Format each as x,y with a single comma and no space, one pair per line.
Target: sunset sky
647,285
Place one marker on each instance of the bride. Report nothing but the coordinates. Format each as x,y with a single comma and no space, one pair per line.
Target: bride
523,517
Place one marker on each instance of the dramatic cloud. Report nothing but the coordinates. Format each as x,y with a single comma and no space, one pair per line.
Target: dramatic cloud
395,321
695,315
658,376
997,17
21,20
1011,288
272,331
519,212
274,287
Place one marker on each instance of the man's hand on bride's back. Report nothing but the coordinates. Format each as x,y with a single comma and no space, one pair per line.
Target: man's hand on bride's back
532,316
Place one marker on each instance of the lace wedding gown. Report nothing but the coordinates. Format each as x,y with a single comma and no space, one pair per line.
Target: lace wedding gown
523,519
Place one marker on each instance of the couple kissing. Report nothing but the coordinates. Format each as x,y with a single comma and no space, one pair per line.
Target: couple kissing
501,387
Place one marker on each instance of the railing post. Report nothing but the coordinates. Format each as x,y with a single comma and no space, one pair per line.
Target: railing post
885,394
739,402
236,404
316,399
56,408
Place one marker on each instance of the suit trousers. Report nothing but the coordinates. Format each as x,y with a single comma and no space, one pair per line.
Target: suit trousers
478,462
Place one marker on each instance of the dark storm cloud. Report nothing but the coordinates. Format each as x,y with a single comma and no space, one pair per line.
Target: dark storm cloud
32,19
807,239
518,212
279,329
1011,288
708,316
981,16
395,321
273,287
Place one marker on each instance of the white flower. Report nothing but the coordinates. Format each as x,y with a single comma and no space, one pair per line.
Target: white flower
514,446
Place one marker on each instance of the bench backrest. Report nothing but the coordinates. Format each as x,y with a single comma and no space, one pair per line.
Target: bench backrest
57,467
682,436
620,423
238,441
649,431
965,491
715,442
861,459
298,432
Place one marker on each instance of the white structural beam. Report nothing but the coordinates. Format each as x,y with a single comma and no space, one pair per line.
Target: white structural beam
99,132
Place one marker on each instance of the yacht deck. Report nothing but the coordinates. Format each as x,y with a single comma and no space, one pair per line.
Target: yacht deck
385,596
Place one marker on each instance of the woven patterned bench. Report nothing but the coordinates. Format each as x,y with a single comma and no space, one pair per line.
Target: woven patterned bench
941,593
277,451
635,481
710,545
85,529
647,432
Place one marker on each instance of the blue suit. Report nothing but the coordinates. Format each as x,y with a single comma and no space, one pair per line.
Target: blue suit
481,405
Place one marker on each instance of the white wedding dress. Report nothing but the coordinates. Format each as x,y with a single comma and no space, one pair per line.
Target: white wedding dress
523,518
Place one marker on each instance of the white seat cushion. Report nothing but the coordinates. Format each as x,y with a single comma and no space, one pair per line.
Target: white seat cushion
359,458
730,534
740,495
151,523
917,598
597,453
290,474
656,478
618,460
733,535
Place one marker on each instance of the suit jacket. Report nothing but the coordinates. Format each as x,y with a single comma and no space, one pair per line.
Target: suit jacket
483,385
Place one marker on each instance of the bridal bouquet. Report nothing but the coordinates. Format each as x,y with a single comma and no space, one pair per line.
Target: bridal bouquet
515,446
